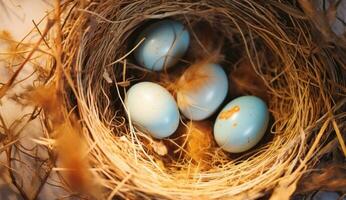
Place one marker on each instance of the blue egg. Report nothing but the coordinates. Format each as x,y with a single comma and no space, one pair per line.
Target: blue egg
153,109
241,124
165,43
205,98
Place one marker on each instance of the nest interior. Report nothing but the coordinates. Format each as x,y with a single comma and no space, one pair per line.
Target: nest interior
298,76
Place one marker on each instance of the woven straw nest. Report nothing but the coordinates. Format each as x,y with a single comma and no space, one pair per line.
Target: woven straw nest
297,76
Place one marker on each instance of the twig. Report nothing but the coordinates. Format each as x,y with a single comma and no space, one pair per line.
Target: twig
58,45
13,178
33,21
9,84
47,174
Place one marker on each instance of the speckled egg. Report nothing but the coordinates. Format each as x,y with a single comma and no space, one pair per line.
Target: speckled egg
165,43
153,109
204,98
241,124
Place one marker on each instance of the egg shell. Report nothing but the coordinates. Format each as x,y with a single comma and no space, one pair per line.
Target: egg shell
201,102
153,109
241,124
165,43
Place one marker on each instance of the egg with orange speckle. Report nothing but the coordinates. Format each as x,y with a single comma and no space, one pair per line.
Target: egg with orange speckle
241,124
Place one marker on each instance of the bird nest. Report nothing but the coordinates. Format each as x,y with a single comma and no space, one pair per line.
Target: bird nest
268,49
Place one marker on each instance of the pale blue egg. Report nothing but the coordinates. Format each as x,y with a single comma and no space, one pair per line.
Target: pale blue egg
165,43
153,109
201,102
241,124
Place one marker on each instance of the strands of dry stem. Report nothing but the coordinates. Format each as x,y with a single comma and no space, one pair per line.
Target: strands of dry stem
13,52
65,134
21,154
4,88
